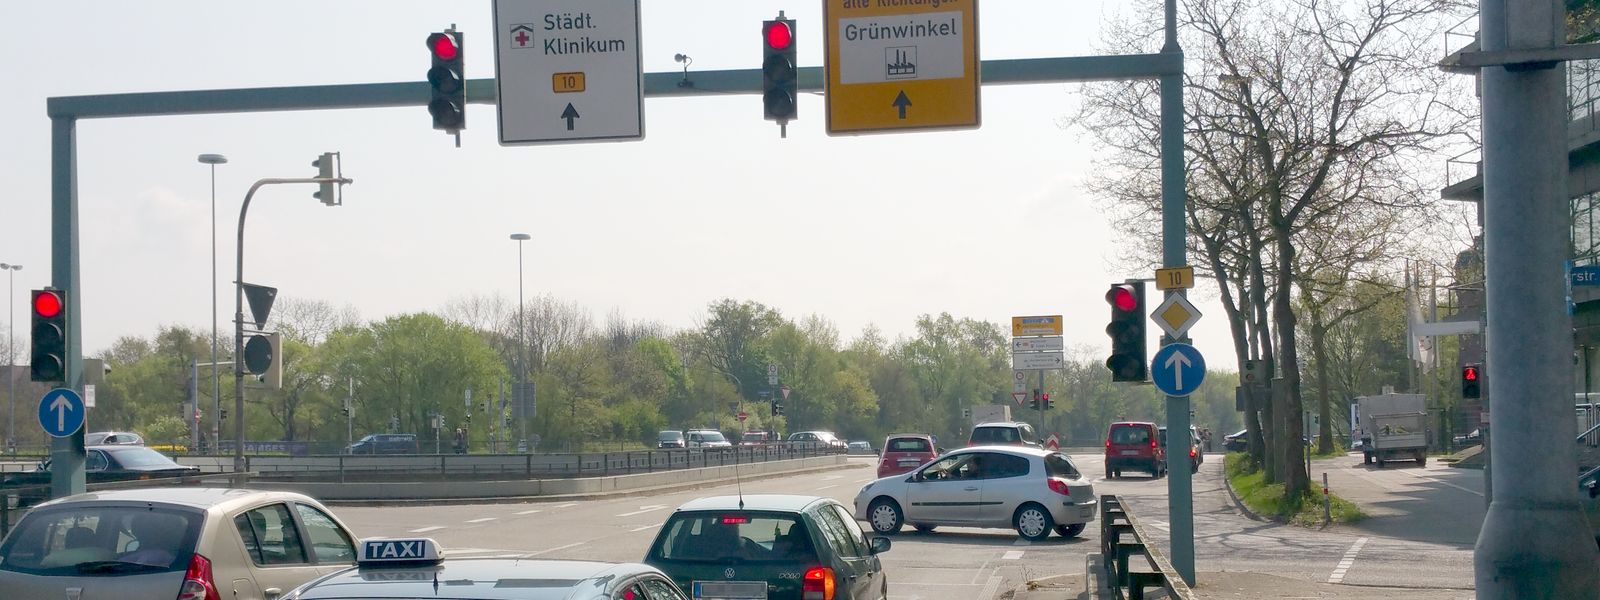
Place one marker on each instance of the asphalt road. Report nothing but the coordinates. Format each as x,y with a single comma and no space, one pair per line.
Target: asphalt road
984,564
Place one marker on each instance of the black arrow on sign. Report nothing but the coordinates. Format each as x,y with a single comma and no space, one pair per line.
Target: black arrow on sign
572,113
901,102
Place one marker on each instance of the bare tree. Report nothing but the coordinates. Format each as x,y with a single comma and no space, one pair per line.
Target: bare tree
312,321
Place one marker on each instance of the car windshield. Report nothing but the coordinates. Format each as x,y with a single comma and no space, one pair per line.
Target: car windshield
669,436
141,458
1130,435
909,445
712,436
733,537
995,435
754,436
83,537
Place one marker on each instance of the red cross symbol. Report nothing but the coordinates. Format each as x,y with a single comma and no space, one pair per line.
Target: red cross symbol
521,36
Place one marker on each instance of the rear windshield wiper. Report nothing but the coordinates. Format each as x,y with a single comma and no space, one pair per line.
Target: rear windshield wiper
116,566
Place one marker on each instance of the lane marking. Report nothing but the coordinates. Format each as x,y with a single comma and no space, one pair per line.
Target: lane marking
991,589
1443,482
427,529
832,477
826,487
574,545
645,527
1348,561
483,520
567,505
528,512
644,509
1011,555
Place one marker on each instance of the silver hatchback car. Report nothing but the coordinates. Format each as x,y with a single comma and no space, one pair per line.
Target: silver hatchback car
183,543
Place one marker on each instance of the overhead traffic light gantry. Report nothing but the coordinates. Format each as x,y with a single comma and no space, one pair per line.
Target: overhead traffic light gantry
1128,360
447,79
49,309
779,81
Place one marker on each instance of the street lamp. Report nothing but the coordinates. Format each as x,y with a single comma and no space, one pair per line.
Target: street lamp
522,344
11,354
216,382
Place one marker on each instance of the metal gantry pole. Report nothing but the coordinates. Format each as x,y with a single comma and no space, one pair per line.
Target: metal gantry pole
1534,542
1174,191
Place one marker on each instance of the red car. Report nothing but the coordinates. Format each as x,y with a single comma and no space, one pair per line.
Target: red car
903,452
1134,445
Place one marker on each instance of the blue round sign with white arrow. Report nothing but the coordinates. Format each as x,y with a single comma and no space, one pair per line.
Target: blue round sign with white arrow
1177,369
61,412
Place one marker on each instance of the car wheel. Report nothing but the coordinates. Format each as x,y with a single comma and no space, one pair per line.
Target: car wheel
923,527
1366,458
884,515
1118,473
1033,522
1194,467
1380,462
1108,472
1070,531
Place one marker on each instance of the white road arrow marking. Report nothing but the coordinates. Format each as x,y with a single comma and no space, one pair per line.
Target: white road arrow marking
61,406
1177,362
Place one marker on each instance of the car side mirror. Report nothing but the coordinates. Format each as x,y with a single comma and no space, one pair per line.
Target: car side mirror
879,545
1594,488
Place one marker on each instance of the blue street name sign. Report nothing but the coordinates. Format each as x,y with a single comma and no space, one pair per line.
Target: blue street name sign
61,412
1587,275
1178,369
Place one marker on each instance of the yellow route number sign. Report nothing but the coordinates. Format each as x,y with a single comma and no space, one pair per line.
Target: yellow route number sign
900,65
1176,278
562,83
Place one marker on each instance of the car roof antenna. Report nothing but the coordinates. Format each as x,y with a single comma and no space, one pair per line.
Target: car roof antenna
737,484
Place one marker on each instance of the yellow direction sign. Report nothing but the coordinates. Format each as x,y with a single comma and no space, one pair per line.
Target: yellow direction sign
901,65
1040,325
1176,278
1175,316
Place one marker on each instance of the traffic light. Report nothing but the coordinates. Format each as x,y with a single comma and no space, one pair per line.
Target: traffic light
49,335
1128,360
447,78
777,408
1471,377
274,375
779,83
507,420
327,170
1048,403
1034,403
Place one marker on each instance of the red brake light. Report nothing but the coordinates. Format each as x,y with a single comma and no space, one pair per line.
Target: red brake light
197,582
1060,487
1191,453
735,520
818,584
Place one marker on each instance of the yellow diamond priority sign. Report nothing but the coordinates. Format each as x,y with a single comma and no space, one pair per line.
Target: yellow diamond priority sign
1175,316
901,65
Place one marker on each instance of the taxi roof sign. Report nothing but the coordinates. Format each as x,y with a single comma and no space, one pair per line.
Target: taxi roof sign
399,550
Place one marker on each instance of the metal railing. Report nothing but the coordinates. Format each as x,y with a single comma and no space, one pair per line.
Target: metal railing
1590,437
1116,554
357,467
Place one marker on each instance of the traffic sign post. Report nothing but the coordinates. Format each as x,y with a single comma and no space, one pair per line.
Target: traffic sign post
61,412
901,67
568,71
1178,369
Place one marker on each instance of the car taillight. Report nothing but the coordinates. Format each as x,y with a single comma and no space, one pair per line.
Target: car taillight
1108,443
1058,486
197,582
1152,444
818,584
1191,453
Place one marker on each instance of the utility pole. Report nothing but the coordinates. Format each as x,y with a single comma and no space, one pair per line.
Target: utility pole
1535,542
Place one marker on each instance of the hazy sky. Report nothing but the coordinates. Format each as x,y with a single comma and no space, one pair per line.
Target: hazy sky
985,223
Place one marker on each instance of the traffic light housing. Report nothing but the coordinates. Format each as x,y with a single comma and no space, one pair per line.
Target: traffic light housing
1128,360
777,408
447,79
49,308
779,73
327,165
1471,381
1034,403
274,375
1048,403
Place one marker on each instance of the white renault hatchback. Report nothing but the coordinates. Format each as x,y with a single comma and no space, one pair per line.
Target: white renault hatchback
1029,489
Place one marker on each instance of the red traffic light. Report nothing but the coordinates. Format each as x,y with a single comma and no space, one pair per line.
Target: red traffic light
443,46
1469,373
778,35
1122,298
47,305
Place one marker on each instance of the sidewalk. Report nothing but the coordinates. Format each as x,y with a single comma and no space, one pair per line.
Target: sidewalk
1235,585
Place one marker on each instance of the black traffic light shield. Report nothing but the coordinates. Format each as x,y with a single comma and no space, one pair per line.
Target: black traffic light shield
447,80
1129,360
258,355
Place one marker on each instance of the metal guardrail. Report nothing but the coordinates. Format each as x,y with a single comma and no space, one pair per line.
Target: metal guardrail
1115,555
355,467
1590,437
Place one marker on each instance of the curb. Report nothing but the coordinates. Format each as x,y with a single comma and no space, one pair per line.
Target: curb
1237,503
645,491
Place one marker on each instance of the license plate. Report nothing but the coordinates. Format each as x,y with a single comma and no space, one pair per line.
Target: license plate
909,462
1086,512
1130,452
731,590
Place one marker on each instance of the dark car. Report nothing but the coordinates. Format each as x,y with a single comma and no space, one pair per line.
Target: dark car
1235,442
670,439
1195,457
386,443
1134,445
777,547
102,464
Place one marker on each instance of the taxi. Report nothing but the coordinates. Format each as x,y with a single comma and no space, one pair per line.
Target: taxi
415,568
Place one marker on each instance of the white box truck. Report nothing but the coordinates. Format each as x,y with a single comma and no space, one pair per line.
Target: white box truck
1392,427
990,413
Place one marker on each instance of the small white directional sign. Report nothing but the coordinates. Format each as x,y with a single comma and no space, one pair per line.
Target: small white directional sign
1037,344
1033,361
568,71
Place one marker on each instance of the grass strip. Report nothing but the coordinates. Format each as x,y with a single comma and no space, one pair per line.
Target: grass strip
1268,499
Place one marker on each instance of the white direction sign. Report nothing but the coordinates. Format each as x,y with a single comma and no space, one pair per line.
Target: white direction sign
1175,316
1019,382
1037,344
568,71
1037,360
